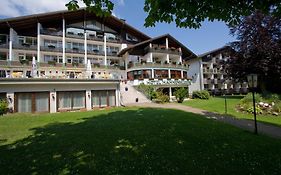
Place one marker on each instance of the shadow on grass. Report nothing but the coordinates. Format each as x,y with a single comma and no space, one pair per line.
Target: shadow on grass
144,141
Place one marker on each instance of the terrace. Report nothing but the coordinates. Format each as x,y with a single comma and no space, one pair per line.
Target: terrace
157,65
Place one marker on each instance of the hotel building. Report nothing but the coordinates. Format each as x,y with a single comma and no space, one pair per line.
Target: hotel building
215,78
75,60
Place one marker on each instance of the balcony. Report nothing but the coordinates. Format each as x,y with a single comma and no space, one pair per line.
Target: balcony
21,63
75,35
25,46
112,53
162,49
156,65
51,31
95,52
51,48
208,71
70,75
113,39
4,45
75,50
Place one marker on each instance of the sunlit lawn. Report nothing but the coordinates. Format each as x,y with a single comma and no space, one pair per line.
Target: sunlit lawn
216,104
132,141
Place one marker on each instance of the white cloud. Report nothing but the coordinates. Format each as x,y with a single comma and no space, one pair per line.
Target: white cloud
12,8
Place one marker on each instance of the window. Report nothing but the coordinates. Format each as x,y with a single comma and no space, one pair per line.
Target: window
2,74
71,100
3,56
24,102
3,96
103,98
48,58
78,99
185,74
147,74
161,74
69,60
42,102
93,25
3,39
131,37
111,98
21,56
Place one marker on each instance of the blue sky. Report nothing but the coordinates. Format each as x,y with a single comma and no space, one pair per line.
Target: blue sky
210,36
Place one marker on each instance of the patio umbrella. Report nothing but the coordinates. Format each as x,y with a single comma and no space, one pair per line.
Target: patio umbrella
34,68
89,69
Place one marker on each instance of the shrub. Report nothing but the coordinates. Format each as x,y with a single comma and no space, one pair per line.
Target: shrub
277,107
181,94
161,97
249,99
3,107
147,90
201,94
251,110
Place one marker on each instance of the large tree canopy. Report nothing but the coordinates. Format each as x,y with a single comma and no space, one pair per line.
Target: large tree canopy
258,50
189,13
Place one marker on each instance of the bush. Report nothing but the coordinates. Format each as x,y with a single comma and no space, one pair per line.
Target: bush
147,90
161,97
181,94
251,110
277,107
3,107
201,94
249,99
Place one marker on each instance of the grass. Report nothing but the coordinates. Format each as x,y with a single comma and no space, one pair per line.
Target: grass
216,104
132,141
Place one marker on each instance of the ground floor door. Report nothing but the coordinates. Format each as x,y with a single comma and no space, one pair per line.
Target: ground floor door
71,100
32,102
103,98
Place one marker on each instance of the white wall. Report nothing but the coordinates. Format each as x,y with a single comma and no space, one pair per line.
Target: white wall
195,71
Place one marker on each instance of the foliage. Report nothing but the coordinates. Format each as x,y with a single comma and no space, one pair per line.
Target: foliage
3,107
147,90
277,107
181,94
161,97
251,110
101,8
257,50
188,13
201,94
272,100
249,98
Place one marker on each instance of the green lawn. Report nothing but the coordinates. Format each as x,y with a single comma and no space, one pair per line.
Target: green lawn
132,141
216,104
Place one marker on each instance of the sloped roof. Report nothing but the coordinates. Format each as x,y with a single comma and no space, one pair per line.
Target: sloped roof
26,22
172,41
215,51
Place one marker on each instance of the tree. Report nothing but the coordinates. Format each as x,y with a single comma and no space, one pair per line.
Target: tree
257,50
189,13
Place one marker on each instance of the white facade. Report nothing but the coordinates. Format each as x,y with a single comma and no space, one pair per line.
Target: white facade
196,74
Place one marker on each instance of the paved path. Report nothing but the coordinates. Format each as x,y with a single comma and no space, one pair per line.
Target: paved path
267,129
